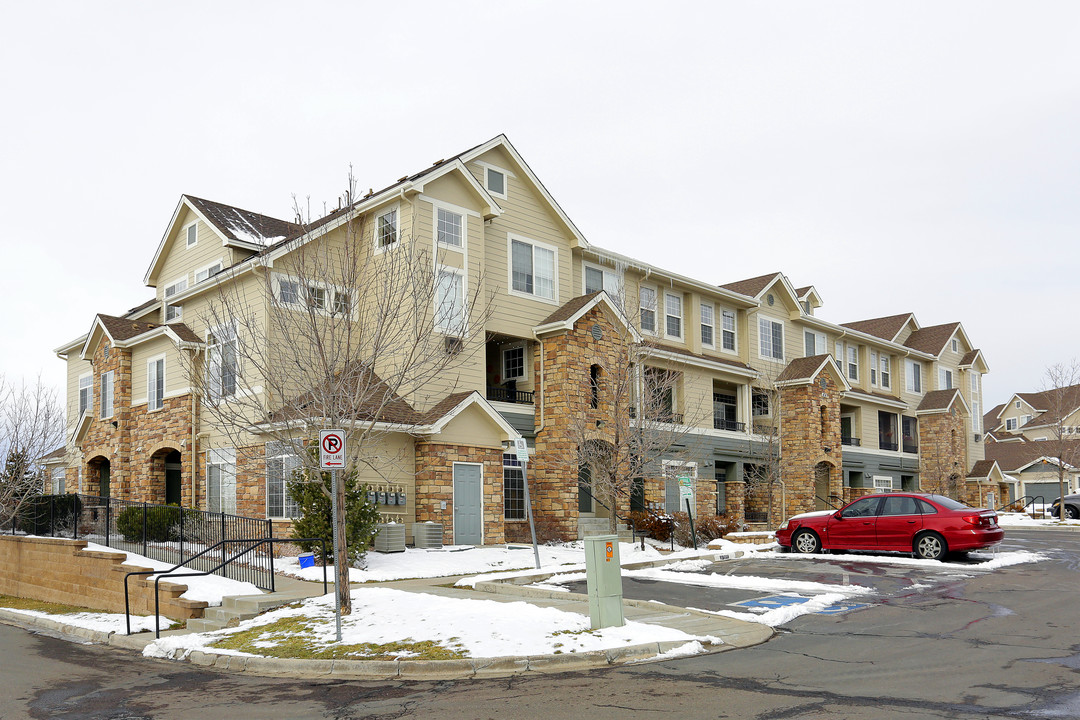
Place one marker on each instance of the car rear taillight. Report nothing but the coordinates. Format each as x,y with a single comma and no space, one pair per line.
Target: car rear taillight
972,519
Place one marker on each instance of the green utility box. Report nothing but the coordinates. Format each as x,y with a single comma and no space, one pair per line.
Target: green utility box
603,575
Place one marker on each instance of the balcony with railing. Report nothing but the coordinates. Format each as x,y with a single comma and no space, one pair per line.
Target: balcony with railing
888,444
504,394
720,423
852,441
910,445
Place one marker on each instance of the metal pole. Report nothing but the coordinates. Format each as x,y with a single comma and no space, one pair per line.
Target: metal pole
693,536
528,510
337,568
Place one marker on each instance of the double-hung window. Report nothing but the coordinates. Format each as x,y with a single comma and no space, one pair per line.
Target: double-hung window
177,287
1010,424
673,315
944,379
598,278
192,233
647,298
222,365
728,320
288,292
873,368
885,374
708,324
913,370
815,343
174,312
316,297
155,384
853,362
449,227
532,269
221,480
770,338
107,394
86,393
450,302
58,475
386,229
281,463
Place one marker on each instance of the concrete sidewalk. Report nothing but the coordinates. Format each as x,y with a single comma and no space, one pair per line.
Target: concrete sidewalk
729,634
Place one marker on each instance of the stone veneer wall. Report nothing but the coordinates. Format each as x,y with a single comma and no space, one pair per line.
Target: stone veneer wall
435,485
943,454
565,395
135,448
804,437
735,501
63,571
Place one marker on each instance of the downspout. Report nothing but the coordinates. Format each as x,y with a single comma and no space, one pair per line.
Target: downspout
194,440
543,396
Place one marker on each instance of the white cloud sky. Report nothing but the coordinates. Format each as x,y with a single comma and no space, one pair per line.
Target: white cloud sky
900,157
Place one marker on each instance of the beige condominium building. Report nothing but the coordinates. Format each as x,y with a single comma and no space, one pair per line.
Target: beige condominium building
769,409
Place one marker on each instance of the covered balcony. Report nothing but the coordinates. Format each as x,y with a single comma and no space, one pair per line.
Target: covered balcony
508,375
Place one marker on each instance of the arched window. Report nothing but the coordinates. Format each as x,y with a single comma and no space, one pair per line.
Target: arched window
594,386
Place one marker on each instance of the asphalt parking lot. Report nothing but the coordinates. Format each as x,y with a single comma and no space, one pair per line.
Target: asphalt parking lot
889,581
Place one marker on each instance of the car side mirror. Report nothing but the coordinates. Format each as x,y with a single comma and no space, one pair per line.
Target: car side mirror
839,514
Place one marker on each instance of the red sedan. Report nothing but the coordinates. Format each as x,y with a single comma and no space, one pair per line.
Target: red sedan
928,525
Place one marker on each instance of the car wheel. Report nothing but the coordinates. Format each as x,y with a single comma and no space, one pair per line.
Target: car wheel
1072,513
805,541
930,546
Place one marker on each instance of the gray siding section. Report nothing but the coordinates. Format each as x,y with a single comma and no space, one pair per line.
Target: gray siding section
523,423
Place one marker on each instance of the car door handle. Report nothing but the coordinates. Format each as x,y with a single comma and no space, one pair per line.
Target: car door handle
911,522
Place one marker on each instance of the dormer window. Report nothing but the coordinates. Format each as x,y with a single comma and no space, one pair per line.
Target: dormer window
192,233
955,345
177,287
208,272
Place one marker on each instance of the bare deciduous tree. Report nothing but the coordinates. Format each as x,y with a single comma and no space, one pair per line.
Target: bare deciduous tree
345,325
31,425
1061,390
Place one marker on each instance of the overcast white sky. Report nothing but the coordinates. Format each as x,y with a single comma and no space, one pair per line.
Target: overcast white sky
910,156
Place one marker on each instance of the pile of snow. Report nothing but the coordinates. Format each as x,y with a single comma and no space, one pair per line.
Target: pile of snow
1024,520
103,622
478,628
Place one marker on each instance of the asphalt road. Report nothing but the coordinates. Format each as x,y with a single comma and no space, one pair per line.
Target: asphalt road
966,645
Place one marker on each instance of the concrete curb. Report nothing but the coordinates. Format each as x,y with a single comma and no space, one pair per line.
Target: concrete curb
459,669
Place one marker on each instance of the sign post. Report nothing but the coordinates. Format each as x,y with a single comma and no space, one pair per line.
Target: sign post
332,458
521,449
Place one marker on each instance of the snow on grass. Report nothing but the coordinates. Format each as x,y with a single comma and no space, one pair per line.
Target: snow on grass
452,561
1022,520
103,622
207,588
474,628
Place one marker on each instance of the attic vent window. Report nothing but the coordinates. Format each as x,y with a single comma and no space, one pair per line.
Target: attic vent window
192,234
105,352
495,181
770,299
597,332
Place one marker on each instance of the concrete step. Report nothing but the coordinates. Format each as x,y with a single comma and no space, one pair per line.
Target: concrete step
203,625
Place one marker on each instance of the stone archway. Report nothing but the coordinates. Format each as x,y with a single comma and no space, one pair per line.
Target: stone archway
821,486
98,476
163,480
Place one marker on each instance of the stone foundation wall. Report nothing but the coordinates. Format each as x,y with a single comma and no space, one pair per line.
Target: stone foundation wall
63,571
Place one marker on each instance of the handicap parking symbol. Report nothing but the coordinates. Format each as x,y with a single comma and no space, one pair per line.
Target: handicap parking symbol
772,602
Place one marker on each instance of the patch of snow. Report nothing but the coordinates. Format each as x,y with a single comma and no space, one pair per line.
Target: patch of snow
103,622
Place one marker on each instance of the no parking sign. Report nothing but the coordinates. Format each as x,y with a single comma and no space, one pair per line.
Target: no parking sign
331,449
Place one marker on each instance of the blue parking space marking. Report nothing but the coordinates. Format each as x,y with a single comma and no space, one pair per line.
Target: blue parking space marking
773,601
777,601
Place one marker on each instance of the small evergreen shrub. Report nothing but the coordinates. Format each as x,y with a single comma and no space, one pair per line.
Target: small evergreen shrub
162,523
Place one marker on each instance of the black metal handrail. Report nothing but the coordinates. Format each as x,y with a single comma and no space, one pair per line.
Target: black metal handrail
853,441
725,424
634,532
501,394
1030,502
169,573
887,445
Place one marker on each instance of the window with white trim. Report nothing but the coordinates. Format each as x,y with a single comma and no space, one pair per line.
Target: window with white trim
342,303
450,302
599,278
708,324
315,297
913,371
449,228
177,287
106,394
885,370
155,384
955,345
386,229
513,488
86,393
873,368
1024,420
727,318
814,343
647,303
221,480
514,363
58,476
976,416
1010,424
853,362
288,292
222,365
495,182
770,338
944,379
208,272
282,462
174,312
673,315
533,268
192,234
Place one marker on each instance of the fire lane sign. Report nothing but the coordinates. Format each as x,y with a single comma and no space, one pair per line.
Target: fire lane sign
331,449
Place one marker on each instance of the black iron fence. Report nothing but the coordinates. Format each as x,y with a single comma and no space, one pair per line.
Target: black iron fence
166,533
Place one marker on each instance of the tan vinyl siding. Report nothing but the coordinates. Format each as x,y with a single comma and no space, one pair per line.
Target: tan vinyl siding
182,261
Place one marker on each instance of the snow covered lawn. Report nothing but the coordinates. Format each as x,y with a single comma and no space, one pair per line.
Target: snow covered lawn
1021,520
100,621
388,624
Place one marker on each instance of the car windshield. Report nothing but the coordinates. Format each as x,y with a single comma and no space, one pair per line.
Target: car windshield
948,503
